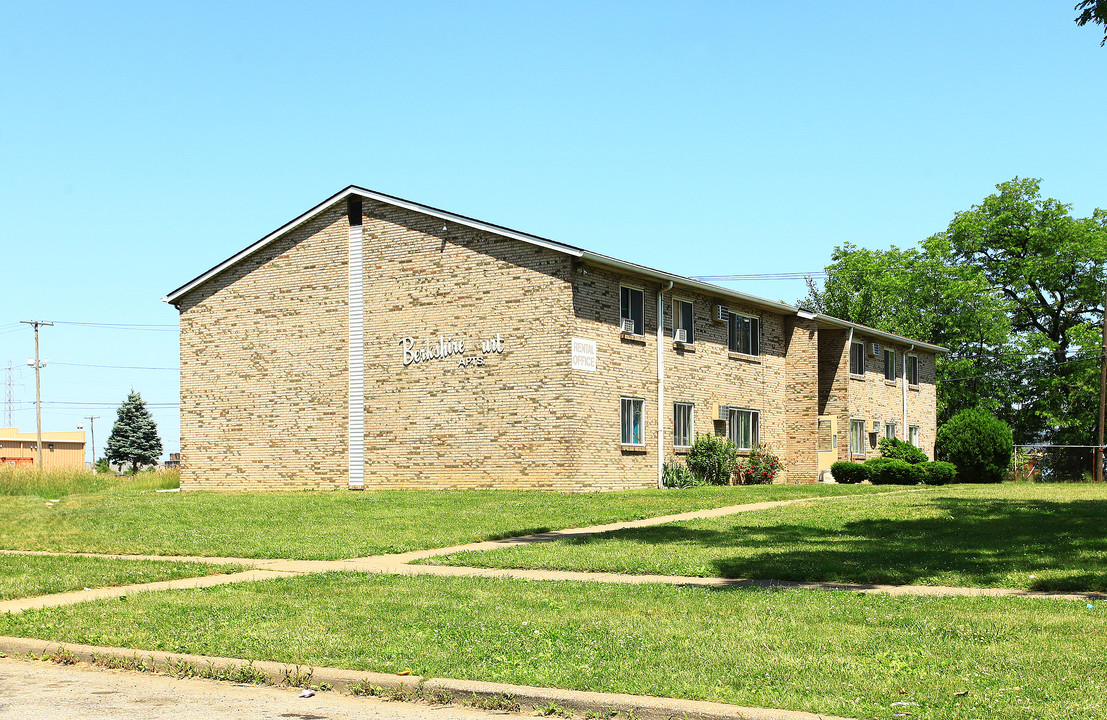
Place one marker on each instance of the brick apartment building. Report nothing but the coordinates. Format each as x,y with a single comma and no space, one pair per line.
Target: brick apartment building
377,342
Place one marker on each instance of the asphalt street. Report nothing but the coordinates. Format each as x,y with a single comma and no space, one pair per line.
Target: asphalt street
36,690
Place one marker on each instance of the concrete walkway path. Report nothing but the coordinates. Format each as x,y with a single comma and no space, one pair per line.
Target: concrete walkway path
400,564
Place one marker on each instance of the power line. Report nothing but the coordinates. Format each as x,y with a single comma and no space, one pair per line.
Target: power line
760,276
116,367
122,326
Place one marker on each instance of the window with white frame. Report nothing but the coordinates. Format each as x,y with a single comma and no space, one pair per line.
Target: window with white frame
857,437
683,320
683,426
744,428
857,358
631,310
913,435
912,369
890,365
630,411
745,334
890,430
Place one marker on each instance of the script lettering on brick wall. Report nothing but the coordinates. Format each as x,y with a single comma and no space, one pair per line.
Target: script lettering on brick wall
444,348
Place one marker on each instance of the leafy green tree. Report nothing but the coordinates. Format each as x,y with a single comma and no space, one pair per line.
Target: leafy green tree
1049,266
134,437
926,294
1095,12
1014,288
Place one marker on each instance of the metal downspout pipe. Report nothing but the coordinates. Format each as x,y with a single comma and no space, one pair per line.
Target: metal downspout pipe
661,383
849,395
906,433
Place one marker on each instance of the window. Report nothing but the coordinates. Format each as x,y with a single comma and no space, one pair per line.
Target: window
682,425
912,370
913,435
631,308
857,437
631,412
682,320
744,428
745,334
890,365
890,430
857,358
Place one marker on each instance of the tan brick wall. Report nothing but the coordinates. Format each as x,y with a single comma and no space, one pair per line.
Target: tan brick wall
802,399
264,350
263,367
505,423
873,398
704,374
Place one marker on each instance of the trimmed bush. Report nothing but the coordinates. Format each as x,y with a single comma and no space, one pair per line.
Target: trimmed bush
938,472
890,471
978,443
900,450
712,459
849,473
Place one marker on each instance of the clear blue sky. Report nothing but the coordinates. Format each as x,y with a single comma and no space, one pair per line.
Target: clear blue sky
142,143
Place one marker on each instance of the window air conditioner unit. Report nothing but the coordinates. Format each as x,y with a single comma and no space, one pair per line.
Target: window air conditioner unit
680,335
626,325
722,313
874,350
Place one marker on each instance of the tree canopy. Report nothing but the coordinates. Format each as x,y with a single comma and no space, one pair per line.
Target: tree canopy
1014,288
134,436
1095,12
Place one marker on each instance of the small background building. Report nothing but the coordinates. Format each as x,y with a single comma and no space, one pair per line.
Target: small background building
60,450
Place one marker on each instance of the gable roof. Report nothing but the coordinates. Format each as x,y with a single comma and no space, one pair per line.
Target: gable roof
598,258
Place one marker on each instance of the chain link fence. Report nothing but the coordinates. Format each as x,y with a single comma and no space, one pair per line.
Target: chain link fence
1055,463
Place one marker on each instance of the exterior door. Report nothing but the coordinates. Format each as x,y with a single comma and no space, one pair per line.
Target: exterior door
828,445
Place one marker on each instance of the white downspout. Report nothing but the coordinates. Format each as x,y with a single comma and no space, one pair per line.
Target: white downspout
906,433
661,383
849,395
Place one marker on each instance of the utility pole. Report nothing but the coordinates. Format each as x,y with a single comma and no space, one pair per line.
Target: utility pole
38,390
92,429
9,419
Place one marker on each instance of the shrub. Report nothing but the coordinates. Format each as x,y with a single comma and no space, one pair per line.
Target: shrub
890,471
978,443
849,472
759,468
938,472
677,475
712,459
900,450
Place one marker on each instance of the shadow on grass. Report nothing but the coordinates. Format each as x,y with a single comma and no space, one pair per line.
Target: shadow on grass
971,543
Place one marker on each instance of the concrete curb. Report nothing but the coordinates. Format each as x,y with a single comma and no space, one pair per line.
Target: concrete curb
406,687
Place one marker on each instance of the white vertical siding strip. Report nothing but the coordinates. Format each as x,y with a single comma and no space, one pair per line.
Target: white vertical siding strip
356,438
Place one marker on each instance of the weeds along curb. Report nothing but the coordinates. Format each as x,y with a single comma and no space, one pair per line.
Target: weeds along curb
482,695
184,665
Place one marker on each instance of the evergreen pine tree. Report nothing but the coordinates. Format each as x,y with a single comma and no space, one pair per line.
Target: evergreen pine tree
134,437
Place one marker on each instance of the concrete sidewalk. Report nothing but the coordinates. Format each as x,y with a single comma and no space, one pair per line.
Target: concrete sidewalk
400,564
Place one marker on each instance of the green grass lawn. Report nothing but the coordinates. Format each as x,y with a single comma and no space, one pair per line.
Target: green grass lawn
833,652
336,525
1041,537
33,575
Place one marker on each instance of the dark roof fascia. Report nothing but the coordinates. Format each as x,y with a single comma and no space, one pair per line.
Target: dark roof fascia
576,252
178,293
824,320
